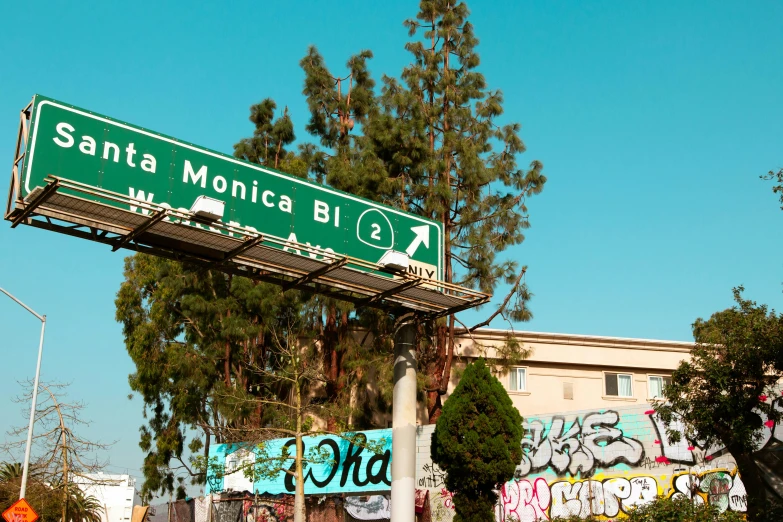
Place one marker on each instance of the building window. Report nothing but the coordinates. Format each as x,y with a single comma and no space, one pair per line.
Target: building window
657,383
619,384
517,379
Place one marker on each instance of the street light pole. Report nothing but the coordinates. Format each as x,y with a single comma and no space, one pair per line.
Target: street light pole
26,465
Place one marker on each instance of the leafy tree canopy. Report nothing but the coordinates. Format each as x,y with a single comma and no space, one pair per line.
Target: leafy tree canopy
776,176
728,391
190,333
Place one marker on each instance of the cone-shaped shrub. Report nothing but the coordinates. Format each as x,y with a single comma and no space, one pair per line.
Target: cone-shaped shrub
477,443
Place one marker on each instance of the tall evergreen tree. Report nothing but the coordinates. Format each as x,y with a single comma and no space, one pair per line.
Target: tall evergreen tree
477,442
195,335
444,155
429,144
191,333
339,107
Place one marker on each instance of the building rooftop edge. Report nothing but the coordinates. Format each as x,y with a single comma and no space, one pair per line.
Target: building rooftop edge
564,337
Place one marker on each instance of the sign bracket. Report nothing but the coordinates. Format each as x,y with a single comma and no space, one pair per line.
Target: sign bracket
65,210
334,265
20,151
136,232
388,293
38,200
455,309
247,245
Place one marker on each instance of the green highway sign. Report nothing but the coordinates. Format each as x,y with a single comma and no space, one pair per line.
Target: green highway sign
82,146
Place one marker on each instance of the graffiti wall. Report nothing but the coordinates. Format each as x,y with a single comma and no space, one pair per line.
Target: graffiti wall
354,463
596,462
600,462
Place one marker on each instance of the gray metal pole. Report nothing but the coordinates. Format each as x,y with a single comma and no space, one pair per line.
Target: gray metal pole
403,486
26,465
26,468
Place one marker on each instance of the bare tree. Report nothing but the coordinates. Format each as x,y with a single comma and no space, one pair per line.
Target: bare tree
61,453
292,397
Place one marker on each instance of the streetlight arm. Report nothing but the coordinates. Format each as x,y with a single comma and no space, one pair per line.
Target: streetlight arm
40,318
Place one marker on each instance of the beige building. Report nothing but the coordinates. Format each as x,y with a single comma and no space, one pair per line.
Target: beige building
567,372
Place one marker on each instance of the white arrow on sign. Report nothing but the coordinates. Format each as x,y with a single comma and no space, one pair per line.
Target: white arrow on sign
422,236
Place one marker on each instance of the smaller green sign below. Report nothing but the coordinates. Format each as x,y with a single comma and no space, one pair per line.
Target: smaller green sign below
71,143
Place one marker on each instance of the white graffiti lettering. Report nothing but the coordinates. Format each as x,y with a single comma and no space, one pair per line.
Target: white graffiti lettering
584,446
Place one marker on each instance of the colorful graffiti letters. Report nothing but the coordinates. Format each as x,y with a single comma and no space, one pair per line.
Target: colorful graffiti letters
531,500
587,443
349,466
719,488
523,500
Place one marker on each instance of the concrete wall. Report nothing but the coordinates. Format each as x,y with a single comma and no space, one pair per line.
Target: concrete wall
599,454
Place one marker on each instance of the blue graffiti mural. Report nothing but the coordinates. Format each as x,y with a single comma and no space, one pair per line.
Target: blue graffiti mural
353,463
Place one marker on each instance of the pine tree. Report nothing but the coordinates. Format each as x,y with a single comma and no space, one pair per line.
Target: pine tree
445,156
477,442
431,144
270,138
191,333
339,107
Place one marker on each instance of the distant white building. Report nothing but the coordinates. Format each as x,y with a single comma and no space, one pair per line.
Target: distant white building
116,493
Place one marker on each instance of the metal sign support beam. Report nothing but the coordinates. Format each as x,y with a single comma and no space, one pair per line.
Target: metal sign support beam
390,292
403,486
248,244
156,218
315,274
45,194
20,151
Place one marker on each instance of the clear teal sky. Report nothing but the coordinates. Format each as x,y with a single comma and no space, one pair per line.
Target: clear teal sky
653,120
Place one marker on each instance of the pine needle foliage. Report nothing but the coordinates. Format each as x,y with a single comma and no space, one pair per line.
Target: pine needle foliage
477,442
449,156
433,143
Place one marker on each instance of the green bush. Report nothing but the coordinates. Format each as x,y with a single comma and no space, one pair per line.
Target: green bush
681,510
668,510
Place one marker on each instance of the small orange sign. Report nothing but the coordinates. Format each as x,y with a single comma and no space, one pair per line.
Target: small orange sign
20,511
